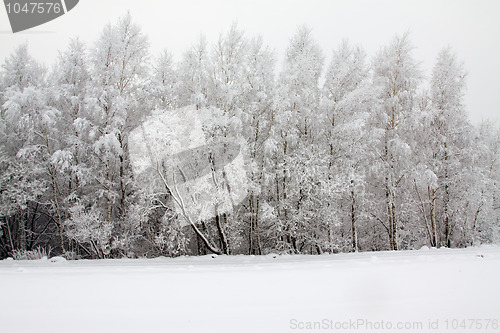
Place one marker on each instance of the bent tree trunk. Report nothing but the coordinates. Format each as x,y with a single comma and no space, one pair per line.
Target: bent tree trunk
180,202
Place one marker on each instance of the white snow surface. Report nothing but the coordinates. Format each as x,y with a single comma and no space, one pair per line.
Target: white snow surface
272,293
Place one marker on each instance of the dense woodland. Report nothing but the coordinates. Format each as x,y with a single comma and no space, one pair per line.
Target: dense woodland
363,153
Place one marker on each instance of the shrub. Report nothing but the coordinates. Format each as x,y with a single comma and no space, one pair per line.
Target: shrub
38,253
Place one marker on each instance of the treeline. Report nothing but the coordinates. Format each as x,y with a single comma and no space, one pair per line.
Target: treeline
357,156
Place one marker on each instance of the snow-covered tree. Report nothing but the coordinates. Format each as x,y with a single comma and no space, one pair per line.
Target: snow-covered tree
485,224
397,75
227,71
33,138
257,105
348,99
114,104
20,70
193,75
456,194
71,83
363,159
164,83
298,88
296,131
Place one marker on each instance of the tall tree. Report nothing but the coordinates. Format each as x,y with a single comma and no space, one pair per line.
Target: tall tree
164,83
193,75
118,68
33,140
454,154
257,103
348,98
227,70
296,131
397,75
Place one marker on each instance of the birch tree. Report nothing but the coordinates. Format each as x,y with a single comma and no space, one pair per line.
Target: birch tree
164,83
118,69
296,130
460,178
397,74
193,75
347,99
257,103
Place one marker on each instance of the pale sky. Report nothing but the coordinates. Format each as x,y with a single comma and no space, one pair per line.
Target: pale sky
470,27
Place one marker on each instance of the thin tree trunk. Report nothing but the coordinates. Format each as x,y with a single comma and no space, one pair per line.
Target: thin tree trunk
447,228
52,173
32,227
475,222
122,180
257,232
108,179
432,194
9,234
424,213
22,231
58,211
388,198
353,222
222,235
251,226
389,215
395,226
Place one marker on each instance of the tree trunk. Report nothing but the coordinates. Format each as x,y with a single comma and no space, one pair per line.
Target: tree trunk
253,233
21,233
52,172
474,224
389,215
122,179
11,242
108,200
251,226
58,211
353,222
174,192
447,227
434,242
222,234
257,232
395,226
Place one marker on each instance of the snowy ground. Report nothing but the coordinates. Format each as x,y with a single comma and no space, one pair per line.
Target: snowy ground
415,291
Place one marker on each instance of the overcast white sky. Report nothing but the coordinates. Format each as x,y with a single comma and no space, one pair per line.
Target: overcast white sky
471,27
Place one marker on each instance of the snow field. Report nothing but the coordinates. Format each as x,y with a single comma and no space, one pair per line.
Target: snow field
408,291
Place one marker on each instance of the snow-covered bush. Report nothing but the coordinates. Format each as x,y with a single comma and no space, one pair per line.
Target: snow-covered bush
36,254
